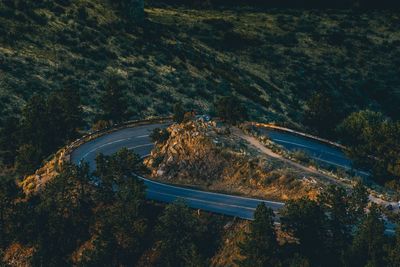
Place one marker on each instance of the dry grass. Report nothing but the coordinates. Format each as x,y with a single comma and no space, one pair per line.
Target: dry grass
273,59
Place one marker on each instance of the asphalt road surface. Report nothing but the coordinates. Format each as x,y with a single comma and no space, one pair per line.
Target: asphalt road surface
318,151
137,139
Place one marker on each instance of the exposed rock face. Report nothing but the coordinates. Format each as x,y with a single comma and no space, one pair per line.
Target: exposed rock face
200,153
32,184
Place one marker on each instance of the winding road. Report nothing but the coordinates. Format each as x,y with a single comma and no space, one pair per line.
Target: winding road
137,139
318,151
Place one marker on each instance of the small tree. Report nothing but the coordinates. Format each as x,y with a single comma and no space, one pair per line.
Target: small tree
34,124
28,158
159,135
305,220
112,102
230,109
132,10
101,125
72,112
358,202
9,131
179,231
321,114
179,112
369,242
374,143
260,246
394,252
334,201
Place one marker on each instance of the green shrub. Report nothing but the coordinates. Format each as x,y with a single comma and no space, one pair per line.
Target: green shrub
159,135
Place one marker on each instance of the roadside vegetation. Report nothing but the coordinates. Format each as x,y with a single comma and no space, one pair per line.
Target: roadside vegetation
212,157
71,66
374,142
284,64
82,218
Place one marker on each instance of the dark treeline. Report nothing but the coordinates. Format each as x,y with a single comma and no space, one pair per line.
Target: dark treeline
363,4
373,138
45,124
374,144
332,231
102,219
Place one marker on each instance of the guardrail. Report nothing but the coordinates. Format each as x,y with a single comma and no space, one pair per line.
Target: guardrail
65,157
283,129
31,184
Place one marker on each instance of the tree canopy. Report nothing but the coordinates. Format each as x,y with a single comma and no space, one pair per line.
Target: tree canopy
374,142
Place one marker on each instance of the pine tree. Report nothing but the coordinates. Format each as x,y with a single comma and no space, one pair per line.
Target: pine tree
34,124
321,114
64,213
56,126
28,158
394,252
179,112
230,109
369,242
132,10
305,220
335,202
260,246
358,201
179,231
9,139
72,112
112,102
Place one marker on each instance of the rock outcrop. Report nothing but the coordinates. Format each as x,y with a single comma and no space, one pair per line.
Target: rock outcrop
206,155
33,183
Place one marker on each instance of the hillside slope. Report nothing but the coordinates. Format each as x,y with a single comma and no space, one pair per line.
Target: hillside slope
213,158
274,59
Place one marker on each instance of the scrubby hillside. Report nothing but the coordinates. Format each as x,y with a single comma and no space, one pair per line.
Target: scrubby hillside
209,156
273,59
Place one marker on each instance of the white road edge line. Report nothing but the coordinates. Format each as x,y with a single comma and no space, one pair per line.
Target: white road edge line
113,142
130,148
200,200
103,145
210,193
310,147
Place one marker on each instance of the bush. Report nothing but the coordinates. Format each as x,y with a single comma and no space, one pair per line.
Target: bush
230,109
159,135
233,40
82,14
300,156
336,38
219,24
100,125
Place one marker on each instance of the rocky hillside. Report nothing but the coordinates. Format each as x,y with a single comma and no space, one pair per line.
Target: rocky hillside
209,156
274,59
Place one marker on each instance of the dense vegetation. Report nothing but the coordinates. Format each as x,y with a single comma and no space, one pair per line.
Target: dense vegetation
66,64
358,4
374,142
45,124
83,218
275,60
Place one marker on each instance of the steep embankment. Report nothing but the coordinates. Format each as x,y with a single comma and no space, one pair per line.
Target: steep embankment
209,156
273,59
